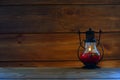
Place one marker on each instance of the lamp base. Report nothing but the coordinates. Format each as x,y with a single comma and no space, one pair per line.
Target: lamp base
90,66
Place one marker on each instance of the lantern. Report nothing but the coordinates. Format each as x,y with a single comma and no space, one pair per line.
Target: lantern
90,56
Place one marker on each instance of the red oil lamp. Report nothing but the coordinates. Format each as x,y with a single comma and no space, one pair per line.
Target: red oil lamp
91,56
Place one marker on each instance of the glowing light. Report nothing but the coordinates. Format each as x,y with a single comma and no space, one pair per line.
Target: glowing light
89,49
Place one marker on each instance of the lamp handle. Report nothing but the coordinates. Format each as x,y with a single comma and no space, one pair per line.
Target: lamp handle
80,40
80,45
102,51
99,39
100,44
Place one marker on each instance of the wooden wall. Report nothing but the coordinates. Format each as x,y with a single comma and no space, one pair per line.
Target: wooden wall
44,32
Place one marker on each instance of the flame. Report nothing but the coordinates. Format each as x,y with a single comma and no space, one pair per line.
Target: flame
89,49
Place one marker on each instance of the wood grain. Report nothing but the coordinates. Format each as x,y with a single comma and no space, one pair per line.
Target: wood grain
59,18
51,47
16,2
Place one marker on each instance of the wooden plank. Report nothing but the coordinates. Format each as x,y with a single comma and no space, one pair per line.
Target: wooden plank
5,2
111,45
59,18
38,47
102,64
51,47
59,73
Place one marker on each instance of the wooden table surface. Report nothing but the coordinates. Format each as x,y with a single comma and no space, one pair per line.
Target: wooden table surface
110,71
